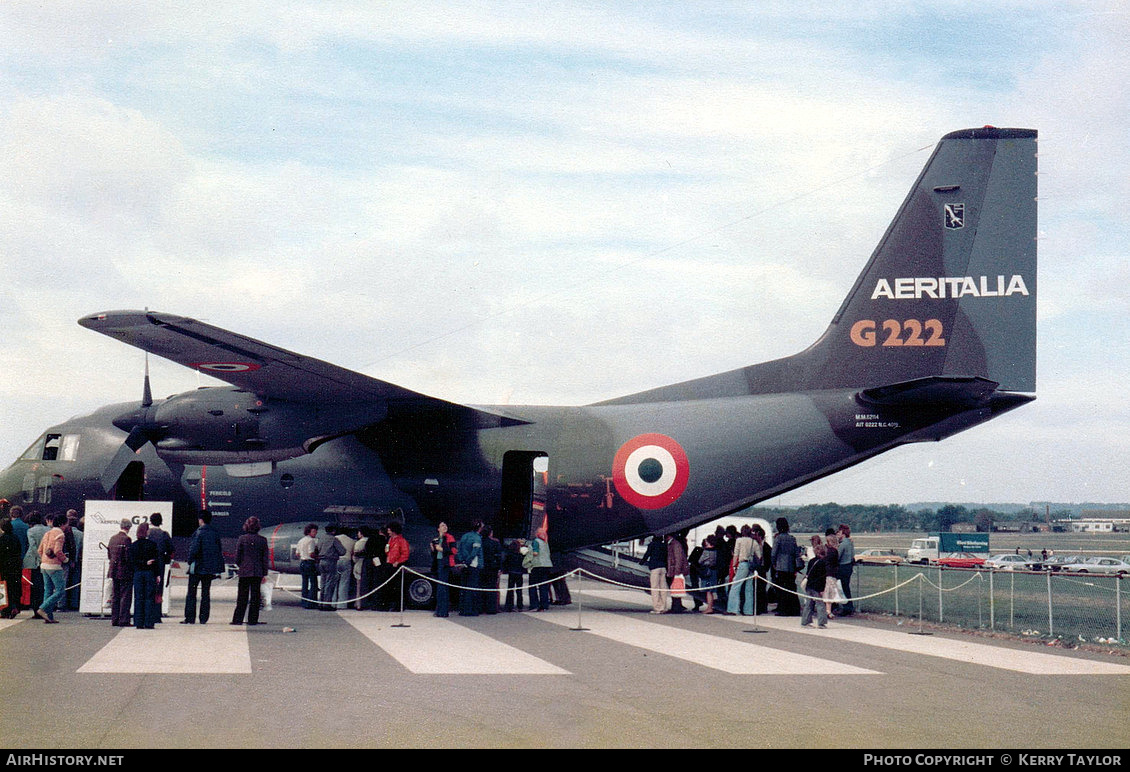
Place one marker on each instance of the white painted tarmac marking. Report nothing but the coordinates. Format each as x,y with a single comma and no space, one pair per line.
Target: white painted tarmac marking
710,651
434,646
1019,660
174,648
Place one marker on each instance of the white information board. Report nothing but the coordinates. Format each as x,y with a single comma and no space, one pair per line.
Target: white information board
103,520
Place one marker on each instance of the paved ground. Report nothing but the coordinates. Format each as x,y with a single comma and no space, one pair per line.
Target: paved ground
628,679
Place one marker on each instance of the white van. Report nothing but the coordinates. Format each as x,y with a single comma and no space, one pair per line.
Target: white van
923,550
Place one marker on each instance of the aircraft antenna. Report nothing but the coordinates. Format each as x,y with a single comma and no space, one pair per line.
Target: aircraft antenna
146,391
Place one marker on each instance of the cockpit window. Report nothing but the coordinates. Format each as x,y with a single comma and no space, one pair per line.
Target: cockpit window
68,449
53,447
35,452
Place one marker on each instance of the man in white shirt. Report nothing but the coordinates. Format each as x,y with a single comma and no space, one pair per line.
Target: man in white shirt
306,550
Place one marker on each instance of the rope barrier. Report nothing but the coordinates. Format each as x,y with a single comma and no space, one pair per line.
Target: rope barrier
437,582
919,577
578,572
950,589
749,578
350,601
597,577
1070,579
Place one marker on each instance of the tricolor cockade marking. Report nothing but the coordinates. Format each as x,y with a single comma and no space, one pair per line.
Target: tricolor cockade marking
650,471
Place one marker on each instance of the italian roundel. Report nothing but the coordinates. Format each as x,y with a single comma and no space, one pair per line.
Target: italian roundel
650,471
225,367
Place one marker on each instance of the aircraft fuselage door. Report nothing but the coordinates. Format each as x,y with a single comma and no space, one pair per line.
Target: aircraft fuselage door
524,486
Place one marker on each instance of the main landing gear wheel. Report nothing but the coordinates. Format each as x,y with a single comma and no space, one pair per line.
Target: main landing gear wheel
420,592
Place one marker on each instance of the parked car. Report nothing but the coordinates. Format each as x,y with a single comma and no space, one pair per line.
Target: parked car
1099,566
961,560
1057,562
1011,562
879,557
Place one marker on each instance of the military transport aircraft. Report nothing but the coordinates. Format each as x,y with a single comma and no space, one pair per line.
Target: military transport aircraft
937,334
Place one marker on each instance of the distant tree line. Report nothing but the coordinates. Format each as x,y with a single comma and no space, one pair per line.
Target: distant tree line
892,517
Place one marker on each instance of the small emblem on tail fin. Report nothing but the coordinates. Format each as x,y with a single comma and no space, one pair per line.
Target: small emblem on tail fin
954,216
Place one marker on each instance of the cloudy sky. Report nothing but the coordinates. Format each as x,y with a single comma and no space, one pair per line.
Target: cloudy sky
533,203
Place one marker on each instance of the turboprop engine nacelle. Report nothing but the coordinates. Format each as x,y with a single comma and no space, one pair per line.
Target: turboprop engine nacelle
232,426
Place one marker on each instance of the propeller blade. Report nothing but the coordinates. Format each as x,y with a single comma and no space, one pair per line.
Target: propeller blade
138,436
126,453
135,440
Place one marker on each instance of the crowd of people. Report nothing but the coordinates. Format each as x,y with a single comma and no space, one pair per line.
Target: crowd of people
345,567
473,567
41,559
736,571
41,565
733,571
48,550
358,568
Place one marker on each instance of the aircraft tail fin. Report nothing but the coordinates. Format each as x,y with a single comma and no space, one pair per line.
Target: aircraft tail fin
951,288
950,291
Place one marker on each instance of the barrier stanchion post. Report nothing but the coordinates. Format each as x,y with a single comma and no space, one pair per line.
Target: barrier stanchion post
1050,630
941,607
580,628
401,622
1012,600
992,613
896,589
921,578
102,605
980,619
1118,607
756,628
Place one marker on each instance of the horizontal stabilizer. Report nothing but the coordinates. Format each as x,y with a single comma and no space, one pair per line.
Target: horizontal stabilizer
937,391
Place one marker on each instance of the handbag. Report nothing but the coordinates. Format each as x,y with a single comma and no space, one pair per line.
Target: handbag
834,593
678,587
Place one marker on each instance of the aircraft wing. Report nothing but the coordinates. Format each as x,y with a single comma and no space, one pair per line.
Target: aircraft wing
257,367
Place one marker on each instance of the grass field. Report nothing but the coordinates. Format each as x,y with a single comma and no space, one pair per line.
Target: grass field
1085,609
